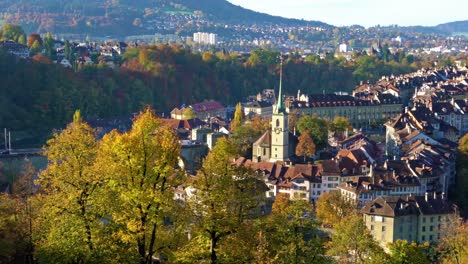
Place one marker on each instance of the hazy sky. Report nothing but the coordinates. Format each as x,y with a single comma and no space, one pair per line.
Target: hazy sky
364,12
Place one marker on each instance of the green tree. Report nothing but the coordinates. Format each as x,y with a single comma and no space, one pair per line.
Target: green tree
49,45
453,246
140,170
189,113
402,252
352,241
225,196
68,51
317,129
33,38
243,138
341,124
289,234
306,146
460,194
332,207
238,116
13,32
69,228
36,47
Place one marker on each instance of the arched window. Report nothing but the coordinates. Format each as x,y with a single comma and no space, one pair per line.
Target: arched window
277,123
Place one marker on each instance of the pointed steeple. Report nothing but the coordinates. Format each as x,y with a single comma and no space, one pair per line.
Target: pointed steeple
279,105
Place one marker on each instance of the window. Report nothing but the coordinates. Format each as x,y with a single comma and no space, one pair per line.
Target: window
431,228
372,227
424,229
424,219
440,218
372,218
432,219
423,238
430,238
277,123
383,228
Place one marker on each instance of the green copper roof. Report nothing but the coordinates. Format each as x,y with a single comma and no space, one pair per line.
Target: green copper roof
279,105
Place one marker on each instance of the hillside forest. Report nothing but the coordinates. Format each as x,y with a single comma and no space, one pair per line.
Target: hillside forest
37,95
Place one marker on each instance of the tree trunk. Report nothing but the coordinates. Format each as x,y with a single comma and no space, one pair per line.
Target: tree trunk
141,252
214,240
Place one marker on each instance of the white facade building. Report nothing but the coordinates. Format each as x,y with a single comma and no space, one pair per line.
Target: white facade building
205,38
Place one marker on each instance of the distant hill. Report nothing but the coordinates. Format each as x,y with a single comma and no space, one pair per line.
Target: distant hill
130,17
458,27
454,27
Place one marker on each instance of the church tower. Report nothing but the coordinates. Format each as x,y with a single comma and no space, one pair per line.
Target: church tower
279,127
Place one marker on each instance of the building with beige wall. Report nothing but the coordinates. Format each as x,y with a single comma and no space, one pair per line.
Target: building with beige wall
413,218
359,112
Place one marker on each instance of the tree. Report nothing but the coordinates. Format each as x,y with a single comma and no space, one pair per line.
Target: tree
341,124
289,234
454,246
36,47
140,170
67,50
293,116
461,196
13,32
238,116
225,196
49,45
189,113
243,138
352,241
16,216
331,207
33,38
259,124
402,251
69,226
306,146
317,129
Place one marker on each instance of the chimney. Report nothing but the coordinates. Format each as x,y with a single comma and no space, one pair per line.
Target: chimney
426,196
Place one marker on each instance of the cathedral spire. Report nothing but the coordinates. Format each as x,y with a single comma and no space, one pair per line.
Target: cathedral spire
280,106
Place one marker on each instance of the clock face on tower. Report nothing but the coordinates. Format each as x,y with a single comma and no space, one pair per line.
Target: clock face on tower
277,130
